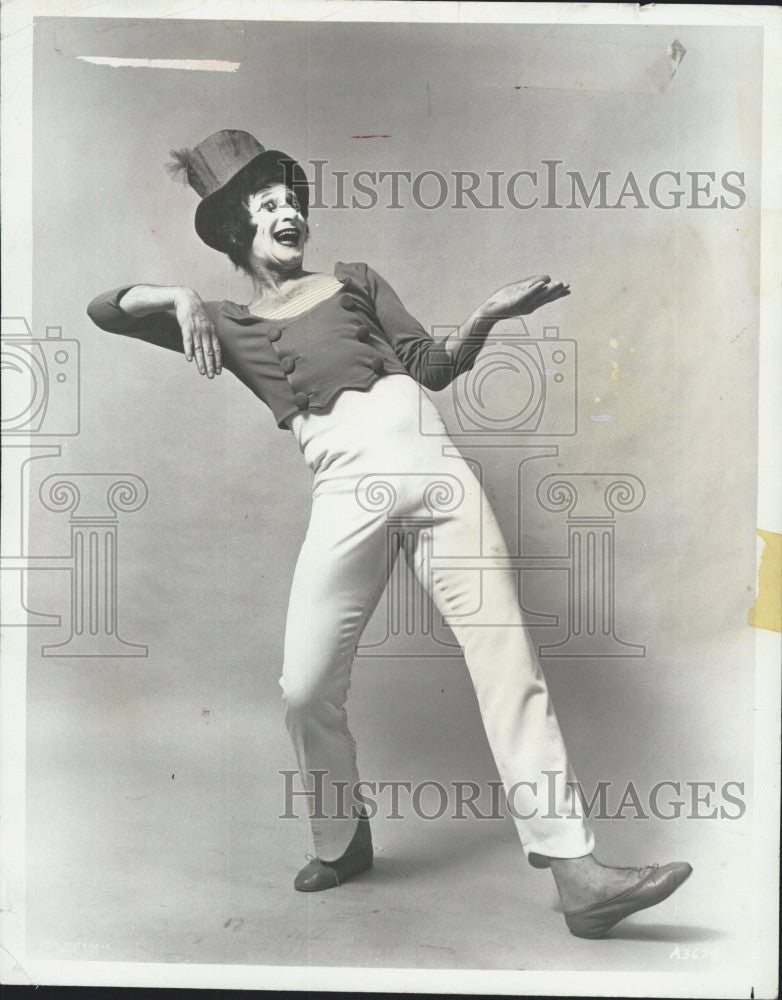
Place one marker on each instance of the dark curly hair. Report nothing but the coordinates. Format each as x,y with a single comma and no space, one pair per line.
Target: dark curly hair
231,217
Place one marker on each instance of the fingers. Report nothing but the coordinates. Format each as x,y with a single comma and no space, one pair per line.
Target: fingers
534,285
549,293
205,355
187,342
200,342
561,293
217,353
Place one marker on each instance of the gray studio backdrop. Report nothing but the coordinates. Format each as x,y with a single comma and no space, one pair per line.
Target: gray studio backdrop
153,785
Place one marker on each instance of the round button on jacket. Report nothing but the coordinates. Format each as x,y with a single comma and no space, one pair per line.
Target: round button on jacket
347,302
377,366
274,334
302,400
288,365
362,333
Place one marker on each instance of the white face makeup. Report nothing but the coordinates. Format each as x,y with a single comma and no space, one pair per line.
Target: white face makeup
281,227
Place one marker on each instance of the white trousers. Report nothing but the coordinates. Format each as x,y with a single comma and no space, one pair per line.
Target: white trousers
370,461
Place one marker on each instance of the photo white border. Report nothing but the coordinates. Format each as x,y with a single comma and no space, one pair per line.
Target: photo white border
16,124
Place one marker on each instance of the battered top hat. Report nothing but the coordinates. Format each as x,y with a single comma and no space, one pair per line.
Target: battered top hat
215,163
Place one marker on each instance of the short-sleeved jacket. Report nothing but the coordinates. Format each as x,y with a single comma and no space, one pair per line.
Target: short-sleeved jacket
349,340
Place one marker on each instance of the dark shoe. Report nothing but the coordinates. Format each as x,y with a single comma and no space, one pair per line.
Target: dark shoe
319,875
655,886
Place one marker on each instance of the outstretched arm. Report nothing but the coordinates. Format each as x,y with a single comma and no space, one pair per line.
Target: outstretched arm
174,317
437,362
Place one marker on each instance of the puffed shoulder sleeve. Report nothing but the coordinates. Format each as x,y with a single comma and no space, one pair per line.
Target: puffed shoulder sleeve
161,329
424,356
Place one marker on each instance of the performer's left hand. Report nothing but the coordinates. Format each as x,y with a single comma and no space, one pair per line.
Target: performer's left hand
521,298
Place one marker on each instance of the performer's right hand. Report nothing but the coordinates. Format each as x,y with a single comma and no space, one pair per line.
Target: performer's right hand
199,336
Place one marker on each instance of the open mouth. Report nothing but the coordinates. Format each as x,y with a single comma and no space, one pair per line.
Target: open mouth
288,237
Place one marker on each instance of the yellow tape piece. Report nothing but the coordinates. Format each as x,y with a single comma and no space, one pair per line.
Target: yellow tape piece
767,612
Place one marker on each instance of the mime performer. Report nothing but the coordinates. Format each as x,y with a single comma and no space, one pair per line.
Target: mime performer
340,362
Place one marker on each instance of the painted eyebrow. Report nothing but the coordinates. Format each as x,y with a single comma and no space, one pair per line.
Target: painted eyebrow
290,196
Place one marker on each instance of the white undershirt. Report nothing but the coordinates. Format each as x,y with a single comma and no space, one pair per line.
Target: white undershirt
302,303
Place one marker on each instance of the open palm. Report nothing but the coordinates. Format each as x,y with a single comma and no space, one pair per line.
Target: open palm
521,298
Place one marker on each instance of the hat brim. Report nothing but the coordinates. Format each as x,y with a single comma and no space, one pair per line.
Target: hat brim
282,168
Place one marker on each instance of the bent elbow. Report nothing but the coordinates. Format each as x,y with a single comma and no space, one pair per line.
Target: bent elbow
98,312
92,312
107,314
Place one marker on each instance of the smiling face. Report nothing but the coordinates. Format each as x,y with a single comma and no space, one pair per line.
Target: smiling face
280,229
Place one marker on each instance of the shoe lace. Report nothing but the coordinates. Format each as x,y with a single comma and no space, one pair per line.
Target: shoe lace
311,857
647,870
